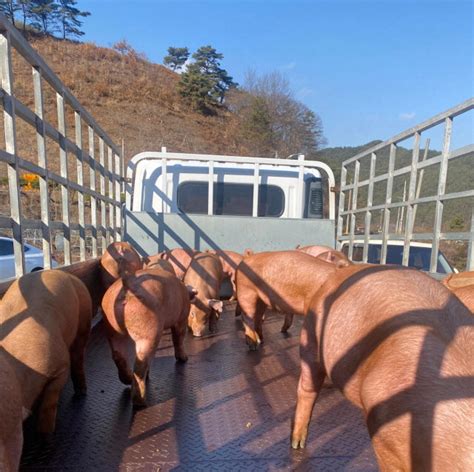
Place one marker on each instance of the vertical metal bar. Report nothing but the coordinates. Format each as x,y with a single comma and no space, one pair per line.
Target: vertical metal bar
111,195
388,201
103,221
43,163
340,218
210,196
470,247
300,192
411,196
368,213
11,147
443,172
420,179
64,173
256,181
92,187
354,207
118,199
80,181
164,186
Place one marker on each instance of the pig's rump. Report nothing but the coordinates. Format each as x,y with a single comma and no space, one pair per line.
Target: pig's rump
400,347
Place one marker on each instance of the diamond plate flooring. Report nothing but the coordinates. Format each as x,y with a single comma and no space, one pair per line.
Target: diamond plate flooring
226,409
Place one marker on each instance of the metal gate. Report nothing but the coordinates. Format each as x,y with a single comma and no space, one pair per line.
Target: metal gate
349,202
98,183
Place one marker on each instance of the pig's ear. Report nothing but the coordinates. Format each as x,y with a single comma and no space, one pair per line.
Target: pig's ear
145,260
216,305
192,292
248,252
298,246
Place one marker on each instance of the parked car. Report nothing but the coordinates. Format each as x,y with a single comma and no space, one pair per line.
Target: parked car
419,258
33,258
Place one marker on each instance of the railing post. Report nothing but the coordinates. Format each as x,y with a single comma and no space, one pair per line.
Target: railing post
64,174
340,217
354,207
409,222
368,213
80,181
256,183
210,196
11,147
110,170
43,163
443,173
92,187
118,199
388,201
103,220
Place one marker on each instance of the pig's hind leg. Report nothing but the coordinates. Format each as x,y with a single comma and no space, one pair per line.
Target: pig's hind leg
287,323
178,332
48,406
118,346
145,351
311,380
77,352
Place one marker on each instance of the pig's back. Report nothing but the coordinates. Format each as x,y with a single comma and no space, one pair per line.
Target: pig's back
205,274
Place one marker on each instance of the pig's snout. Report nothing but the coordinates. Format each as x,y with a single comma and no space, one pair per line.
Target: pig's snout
198,333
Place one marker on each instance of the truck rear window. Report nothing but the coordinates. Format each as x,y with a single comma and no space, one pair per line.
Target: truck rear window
230,199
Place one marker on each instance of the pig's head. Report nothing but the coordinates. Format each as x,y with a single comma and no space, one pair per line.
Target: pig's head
202,311
118,256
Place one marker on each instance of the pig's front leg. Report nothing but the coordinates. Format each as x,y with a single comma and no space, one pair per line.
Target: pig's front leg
179,333
252,317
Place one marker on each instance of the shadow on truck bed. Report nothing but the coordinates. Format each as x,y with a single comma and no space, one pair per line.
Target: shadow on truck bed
227,408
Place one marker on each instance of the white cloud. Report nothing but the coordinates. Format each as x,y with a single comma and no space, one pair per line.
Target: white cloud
407,116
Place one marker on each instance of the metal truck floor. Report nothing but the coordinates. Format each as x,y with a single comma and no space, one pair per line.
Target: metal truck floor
225,409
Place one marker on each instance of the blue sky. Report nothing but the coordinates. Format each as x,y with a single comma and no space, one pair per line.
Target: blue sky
369,68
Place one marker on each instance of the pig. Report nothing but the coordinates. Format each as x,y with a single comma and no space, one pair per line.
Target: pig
154,262
399,346
229,260
205,275
11,424
466,295
45,318
462,279
326,254
180,259
282,281
138,307
113,257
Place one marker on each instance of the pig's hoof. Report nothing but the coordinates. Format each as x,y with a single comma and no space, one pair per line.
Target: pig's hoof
182,359
138,403
298,441
125,378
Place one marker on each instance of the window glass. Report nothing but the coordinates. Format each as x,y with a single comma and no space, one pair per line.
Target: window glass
6,247
230,199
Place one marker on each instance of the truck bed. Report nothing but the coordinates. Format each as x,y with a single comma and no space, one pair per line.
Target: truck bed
226,409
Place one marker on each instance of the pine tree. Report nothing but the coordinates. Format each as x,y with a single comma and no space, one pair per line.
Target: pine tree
196,88
176,58
45,15
69,18
9,8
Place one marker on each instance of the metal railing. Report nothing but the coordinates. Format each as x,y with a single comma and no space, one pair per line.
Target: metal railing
110,169
299,164
348,207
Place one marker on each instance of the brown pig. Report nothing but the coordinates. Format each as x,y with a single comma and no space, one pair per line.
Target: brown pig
118,253
205,275
400,346
155,262
45,319
461,279
229,260
326,254
11,416
139,307
466,295
180,258
314,251
282,281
